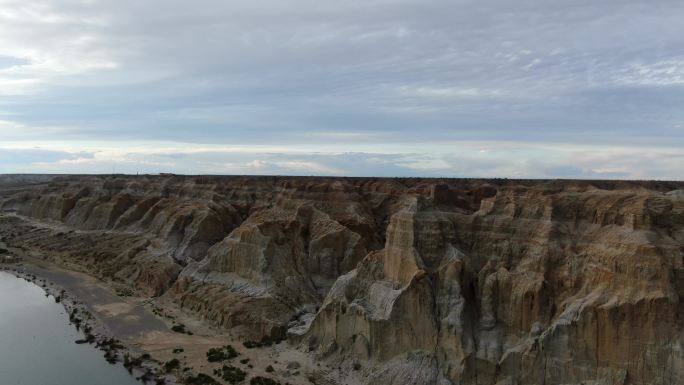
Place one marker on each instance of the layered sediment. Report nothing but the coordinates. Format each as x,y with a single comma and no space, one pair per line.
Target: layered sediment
410,281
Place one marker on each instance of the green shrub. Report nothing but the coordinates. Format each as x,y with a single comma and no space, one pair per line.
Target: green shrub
263,381
221,354
232,374
201,379
171,365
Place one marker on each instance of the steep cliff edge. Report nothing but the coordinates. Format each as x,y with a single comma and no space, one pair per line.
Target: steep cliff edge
411,281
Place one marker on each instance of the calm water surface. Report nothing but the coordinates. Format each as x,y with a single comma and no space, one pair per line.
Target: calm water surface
37,343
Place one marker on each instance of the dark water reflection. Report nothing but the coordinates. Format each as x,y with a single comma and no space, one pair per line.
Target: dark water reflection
37,343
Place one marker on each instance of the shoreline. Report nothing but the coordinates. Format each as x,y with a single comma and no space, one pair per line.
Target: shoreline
136,355
146,328
93,330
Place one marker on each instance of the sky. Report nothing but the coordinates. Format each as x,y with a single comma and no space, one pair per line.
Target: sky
434,88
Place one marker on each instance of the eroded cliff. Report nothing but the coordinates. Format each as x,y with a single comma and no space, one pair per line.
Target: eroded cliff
411,281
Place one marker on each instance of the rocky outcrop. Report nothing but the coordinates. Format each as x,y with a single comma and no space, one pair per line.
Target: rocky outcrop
533,288
411,281
278,261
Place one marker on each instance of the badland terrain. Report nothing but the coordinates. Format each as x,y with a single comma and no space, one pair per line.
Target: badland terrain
386,281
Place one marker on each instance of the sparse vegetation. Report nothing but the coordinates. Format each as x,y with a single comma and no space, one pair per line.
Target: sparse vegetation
171,365
231,374
134,362
264,342
221,354
180,328
111,357
201,379
258,380
111,344
124,292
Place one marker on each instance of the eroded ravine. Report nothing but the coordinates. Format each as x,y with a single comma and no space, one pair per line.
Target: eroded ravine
409,281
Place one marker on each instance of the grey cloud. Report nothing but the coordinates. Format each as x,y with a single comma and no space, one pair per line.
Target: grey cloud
311,72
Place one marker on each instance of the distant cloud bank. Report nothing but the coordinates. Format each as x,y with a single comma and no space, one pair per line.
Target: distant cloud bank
494,88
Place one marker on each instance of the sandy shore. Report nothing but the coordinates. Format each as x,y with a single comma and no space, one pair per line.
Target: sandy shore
87,303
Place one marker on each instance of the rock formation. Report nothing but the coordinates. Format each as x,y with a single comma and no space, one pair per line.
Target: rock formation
412,281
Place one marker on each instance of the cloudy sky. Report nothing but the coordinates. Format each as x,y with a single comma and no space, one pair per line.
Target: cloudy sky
500,88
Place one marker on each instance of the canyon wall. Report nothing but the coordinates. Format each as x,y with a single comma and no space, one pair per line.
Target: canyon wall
412,281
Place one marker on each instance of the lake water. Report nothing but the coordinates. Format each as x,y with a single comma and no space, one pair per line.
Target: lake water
37,343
